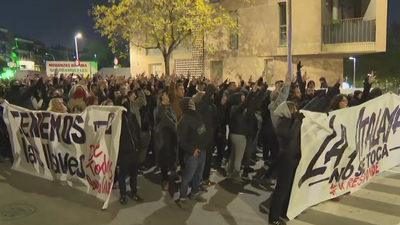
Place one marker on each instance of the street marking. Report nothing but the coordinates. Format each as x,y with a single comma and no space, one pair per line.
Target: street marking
377,196
355,213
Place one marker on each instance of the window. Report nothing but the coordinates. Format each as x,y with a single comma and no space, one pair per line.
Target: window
234,36
155,69
282,24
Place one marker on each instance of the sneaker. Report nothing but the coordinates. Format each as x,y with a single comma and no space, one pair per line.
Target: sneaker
165,186
198,198
123,200
278,222
135,197
157,169
224,164
183,204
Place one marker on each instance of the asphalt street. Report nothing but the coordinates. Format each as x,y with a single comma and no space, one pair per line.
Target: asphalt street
26,199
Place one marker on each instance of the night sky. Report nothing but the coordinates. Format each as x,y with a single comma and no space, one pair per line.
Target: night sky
50,21
57,21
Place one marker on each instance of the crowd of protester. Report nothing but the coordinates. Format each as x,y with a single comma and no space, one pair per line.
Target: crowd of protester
184,120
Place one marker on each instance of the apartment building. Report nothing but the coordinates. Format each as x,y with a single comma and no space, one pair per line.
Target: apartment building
324,33
5,45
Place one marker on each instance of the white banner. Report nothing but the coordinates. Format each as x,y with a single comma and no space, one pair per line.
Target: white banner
341,151
68,67
80,149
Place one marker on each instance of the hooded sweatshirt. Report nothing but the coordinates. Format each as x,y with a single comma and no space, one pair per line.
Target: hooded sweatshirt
288,134
283,111
192,133
238,118
274,104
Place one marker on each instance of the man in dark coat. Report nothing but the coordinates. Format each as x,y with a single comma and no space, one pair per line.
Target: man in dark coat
128,157
194,140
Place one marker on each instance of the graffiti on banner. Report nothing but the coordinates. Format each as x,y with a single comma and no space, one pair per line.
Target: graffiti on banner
77,148
343,150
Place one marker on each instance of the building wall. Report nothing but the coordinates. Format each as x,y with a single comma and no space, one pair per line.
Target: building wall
329,67
381,25
140,62
259,40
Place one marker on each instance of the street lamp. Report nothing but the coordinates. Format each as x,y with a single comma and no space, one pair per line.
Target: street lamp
48,54
354,75
79,35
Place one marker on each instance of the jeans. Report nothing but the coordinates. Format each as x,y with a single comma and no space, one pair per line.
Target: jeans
193,171
238,144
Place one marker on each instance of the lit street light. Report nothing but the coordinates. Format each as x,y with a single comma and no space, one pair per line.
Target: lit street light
79,35
354,75
48,54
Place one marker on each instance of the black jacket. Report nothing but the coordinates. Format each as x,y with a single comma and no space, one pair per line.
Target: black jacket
129,142
288,134
147,113
321,103
165,144
192,133
22,96
206,110
238,119
251,110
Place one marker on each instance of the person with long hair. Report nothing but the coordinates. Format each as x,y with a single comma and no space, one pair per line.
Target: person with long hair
339,102
165,125
56,105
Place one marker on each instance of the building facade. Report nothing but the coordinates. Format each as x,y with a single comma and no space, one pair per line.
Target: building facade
40,56
324,33
5,45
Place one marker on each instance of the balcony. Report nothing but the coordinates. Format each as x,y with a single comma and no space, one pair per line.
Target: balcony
349,35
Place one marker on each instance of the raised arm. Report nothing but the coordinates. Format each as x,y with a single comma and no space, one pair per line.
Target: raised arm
141,101
205,100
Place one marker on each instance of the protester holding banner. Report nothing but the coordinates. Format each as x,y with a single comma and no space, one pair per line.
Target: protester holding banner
287,131
129,147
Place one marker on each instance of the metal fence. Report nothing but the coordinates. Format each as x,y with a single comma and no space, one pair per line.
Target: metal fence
349,31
